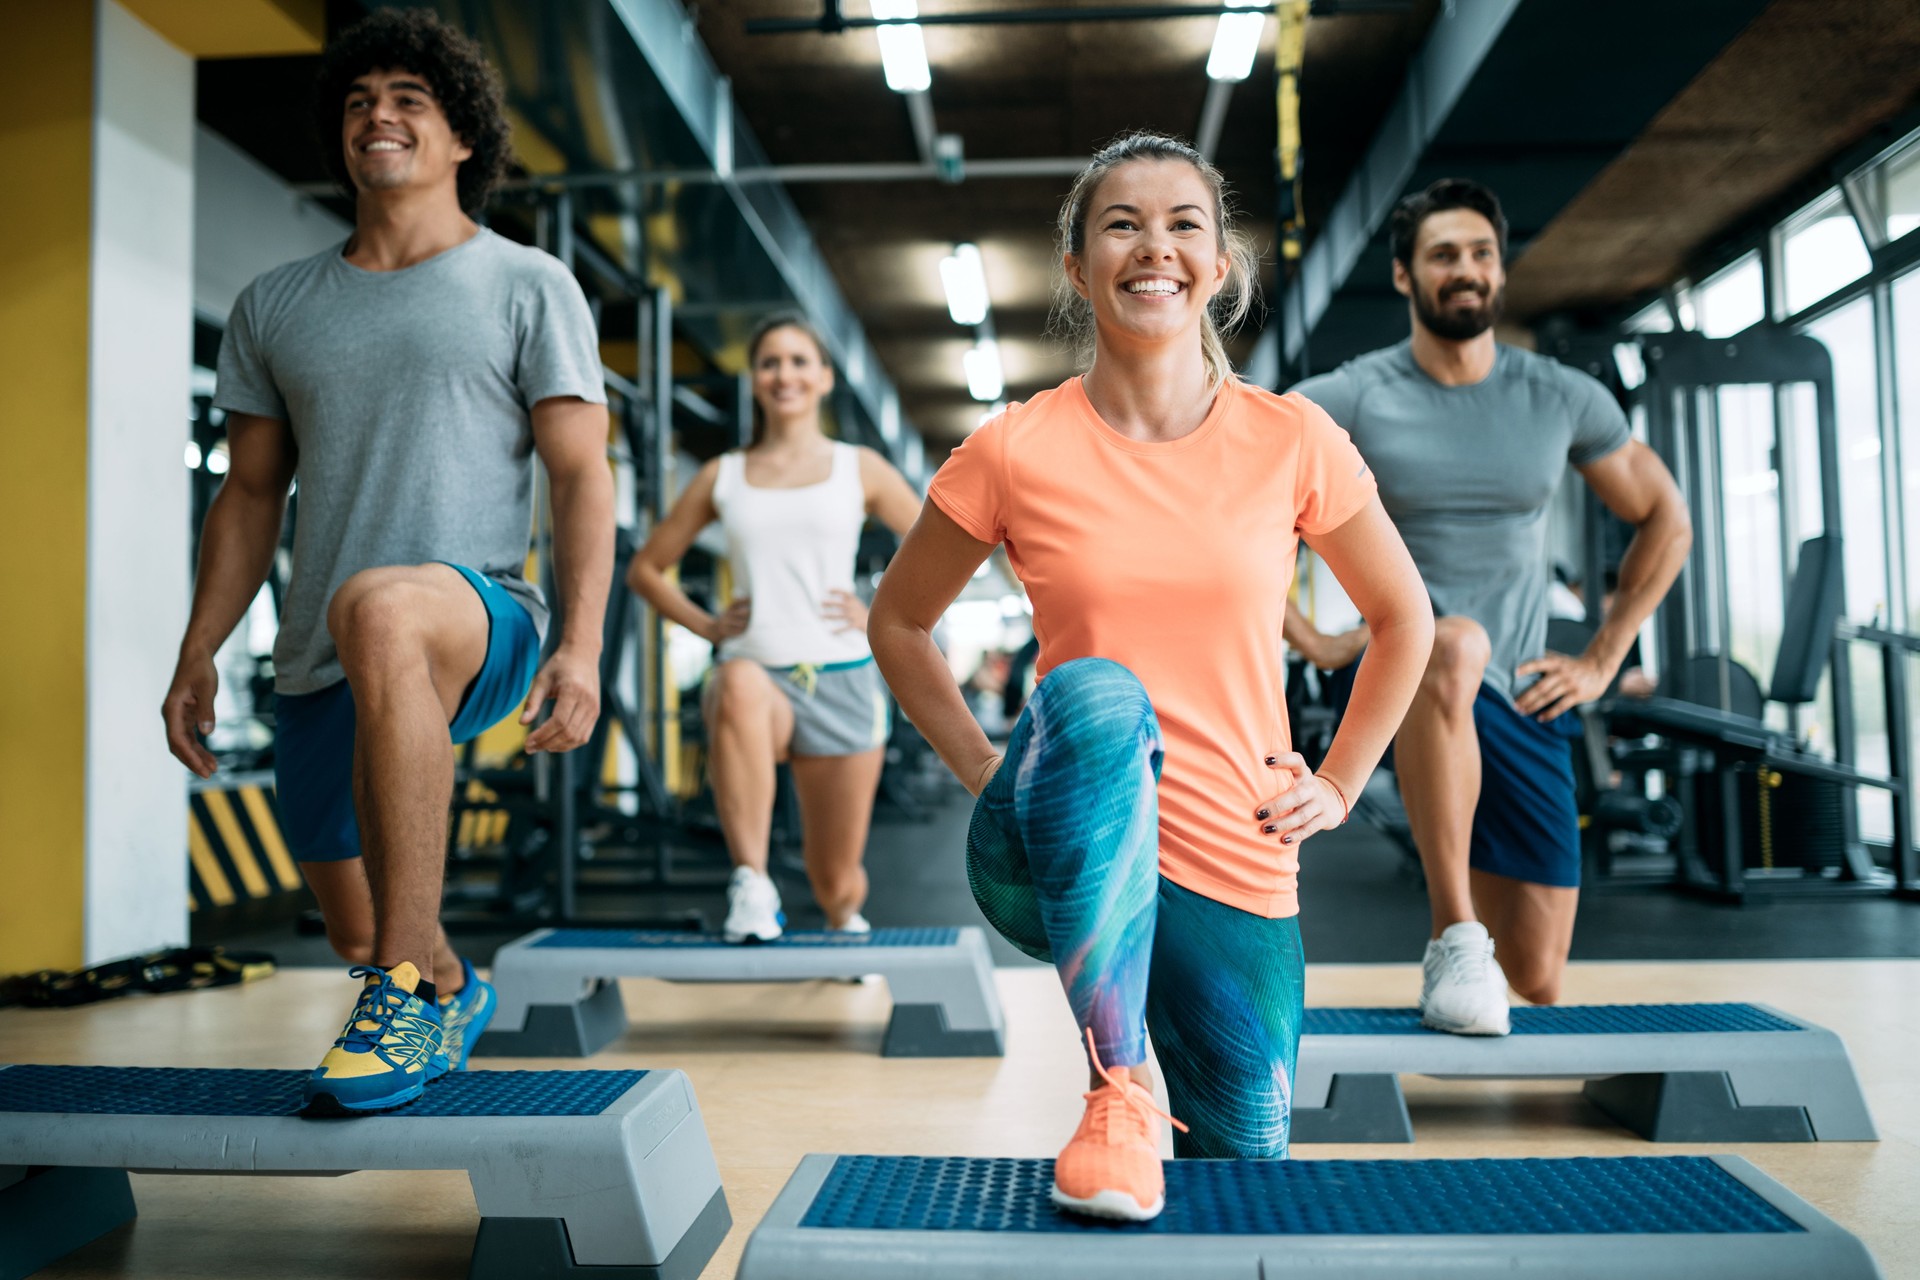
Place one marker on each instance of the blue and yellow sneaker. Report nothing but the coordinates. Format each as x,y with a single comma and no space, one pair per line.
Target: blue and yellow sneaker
465,1014
392,1049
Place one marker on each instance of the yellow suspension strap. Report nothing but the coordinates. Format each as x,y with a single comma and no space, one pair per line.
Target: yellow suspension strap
1769,781
1289,56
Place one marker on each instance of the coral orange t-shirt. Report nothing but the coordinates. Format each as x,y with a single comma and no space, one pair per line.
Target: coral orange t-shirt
1173,559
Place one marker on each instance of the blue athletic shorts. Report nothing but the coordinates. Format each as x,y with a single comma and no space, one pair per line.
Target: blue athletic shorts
313,732
1527,823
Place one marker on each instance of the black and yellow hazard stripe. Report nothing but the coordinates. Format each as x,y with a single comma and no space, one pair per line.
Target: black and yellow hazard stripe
479,827
235,848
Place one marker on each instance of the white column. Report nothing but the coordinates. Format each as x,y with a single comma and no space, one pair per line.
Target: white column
140,350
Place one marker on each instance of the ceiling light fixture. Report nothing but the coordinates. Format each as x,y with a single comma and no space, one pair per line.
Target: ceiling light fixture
985,382
903,53
1235,41
965,279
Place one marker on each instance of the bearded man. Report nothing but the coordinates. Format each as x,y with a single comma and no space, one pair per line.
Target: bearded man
1469,439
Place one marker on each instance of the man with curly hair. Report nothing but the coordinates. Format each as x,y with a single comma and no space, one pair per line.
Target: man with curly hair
403,380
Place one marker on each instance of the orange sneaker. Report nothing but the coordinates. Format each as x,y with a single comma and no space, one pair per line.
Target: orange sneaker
1111,1168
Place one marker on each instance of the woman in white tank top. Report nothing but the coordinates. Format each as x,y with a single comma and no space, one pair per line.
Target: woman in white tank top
794,681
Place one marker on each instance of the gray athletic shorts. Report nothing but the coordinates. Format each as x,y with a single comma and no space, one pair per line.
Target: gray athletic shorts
839,709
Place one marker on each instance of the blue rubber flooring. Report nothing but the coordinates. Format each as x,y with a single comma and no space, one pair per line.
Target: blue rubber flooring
1667,1195
1563,1020
182,1091
668,938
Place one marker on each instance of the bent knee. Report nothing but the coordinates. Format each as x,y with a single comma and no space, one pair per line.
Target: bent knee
1461,651
741,686
839,886
1536,983
1091,689
351,946
372,612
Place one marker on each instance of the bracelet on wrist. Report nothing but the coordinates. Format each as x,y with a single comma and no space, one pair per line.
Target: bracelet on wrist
1346,810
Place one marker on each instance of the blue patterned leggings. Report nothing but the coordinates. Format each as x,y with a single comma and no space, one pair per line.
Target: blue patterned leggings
1063,858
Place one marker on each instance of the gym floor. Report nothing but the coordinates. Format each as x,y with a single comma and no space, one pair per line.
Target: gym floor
784,1070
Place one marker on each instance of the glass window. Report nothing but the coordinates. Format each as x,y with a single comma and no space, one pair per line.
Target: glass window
1849,335
1750,514
1821,250
1652,318
1906,364
1731,299
1632,366
1897,184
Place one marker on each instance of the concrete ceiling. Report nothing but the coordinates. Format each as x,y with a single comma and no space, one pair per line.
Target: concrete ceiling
1627,147
1016,92
1808,80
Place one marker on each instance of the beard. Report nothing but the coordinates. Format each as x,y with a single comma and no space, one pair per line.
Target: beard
1456,325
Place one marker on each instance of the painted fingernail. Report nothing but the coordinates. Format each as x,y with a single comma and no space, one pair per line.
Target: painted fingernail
1286,839
1262,814
1273,760
1269,828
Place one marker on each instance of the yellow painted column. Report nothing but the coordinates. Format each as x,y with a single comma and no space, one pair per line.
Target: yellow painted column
96,324
47,143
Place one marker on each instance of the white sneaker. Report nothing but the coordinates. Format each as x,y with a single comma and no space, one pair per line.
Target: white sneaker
857,926
1463,989
753,908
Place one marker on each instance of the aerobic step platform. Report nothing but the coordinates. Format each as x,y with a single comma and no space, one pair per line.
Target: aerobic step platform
1646,1218
1669,1072
558,997
601,1174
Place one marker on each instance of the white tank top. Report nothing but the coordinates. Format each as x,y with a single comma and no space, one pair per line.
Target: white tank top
788,548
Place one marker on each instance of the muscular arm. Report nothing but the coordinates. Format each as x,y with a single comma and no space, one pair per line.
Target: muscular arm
237,545
932,566
1636,486
1372,564
571,437
647,573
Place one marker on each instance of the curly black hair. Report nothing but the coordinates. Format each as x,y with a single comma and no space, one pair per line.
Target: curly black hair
453,66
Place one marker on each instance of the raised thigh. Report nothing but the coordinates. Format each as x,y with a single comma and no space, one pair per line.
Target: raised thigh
1062,850
742,692
1224,1006
513,658
400,614
997,869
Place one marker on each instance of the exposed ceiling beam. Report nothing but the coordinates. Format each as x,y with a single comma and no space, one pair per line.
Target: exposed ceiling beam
1439,74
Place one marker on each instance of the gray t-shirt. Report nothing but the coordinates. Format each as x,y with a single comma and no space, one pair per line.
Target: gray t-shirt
409,396
1467,473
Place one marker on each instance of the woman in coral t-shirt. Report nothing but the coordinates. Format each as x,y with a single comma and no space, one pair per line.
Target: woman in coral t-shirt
1142,833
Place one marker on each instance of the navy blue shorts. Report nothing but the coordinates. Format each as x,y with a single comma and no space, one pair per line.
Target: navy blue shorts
1527,823
313,733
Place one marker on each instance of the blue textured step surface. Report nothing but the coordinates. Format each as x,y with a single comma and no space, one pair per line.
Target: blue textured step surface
1671,1195
183,1091
1563,1020
634,938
